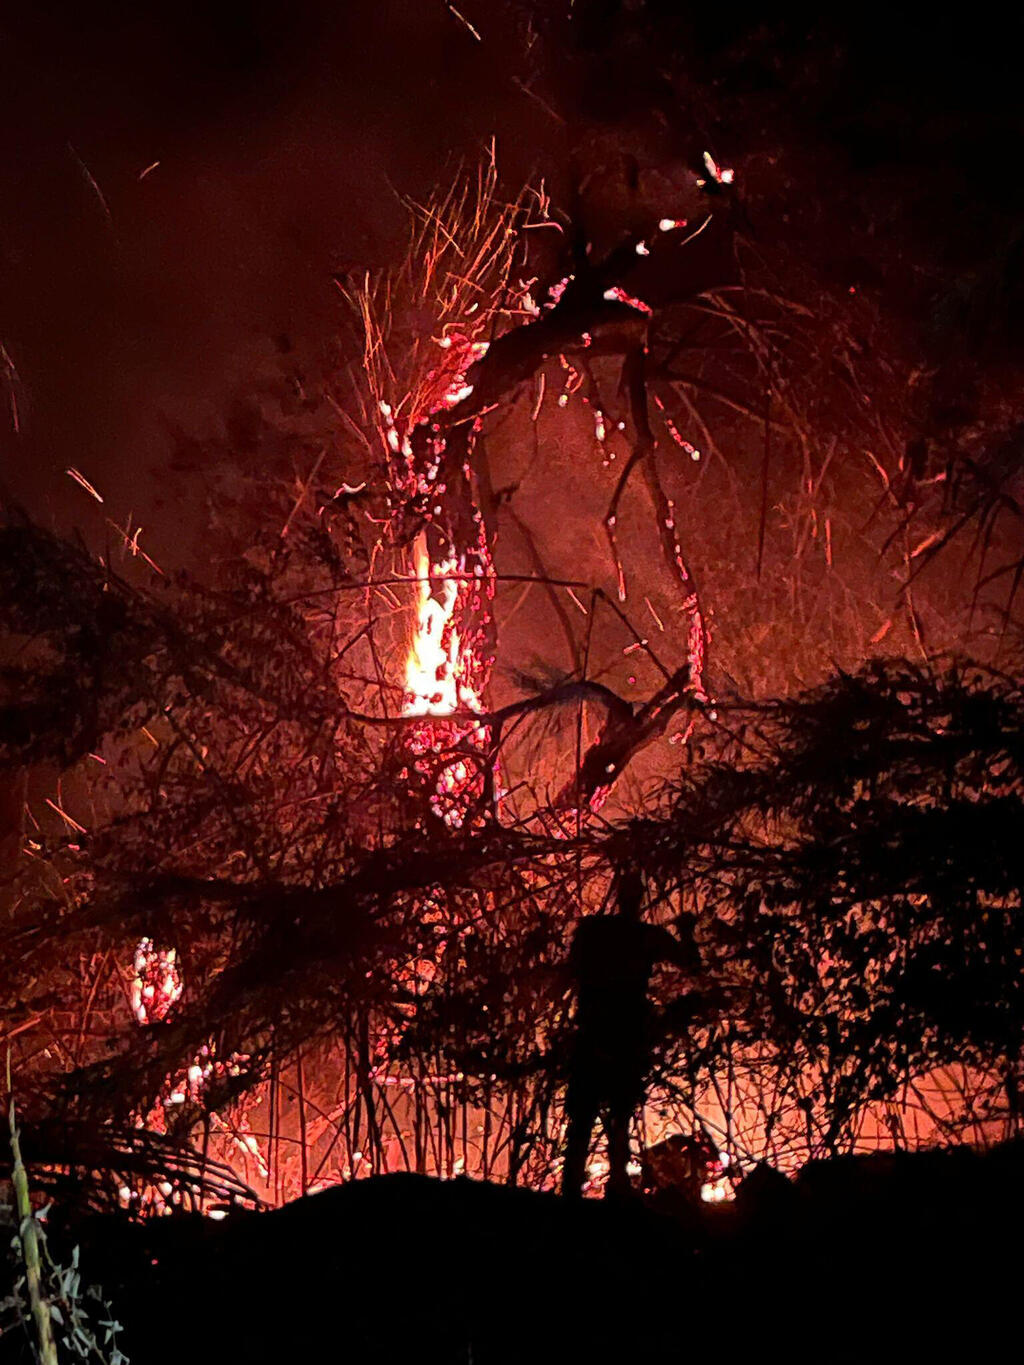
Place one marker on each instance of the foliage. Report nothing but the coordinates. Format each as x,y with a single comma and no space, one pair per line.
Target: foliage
84,1322
49,1294
847,856
853,859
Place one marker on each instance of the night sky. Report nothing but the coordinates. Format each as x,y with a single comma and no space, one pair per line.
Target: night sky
286,133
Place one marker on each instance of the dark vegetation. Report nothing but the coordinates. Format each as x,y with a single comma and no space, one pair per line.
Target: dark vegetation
895,1255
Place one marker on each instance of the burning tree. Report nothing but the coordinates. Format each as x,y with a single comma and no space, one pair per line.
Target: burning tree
302,891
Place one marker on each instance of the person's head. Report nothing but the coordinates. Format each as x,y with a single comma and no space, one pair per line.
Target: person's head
629,892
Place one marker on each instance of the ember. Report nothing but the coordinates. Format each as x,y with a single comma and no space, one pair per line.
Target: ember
156,983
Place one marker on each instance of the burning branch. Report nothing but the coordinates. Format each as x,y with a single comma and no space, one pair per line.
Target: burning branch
623,735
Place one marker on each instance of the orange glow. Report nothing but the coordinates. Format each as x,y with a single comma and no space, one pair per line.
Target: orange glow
156,982
442,677
434,671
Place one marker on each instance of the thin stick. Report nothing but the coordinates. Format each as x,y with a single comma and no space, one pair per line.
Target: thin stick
28,1236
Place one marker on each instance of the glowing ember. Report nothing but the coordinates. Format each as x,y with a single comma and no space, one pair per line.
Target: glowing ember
676,434
558,289
156,982
618,295
449,377
718,175
716,1192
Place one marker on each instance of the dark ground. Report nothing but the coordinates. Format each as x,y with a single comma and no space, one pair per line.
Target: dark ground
893,1258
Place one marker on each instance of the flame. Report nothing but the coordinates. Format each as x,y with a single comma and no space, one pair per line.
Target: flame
433,658
434,670
442,674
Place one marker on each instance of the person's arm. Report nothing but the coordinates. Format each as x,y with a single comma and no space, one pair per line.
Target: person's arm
678,951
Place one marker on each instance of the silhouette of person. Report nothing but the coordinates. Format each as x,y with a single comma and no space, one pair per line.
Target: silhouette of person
611,960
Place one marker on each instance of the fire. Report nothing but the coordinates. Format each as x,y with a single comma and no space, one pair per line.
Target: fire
435,672
156,984
716,1191
718,1187
442,674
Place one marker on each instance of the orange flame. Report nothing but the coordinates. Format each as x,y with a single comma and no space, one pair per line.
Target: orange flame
435,678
